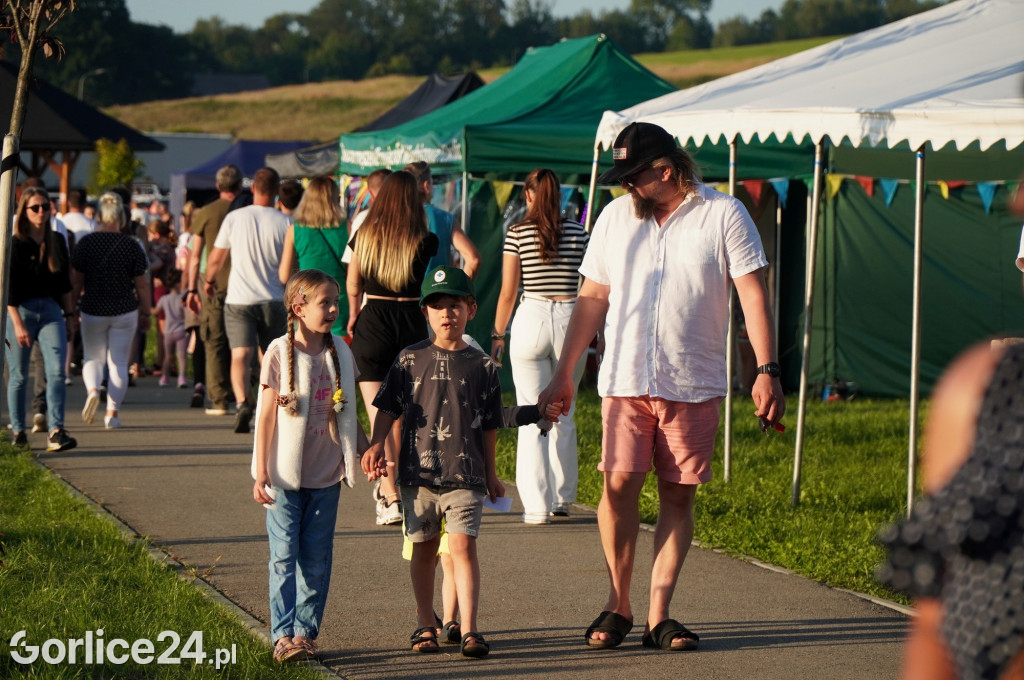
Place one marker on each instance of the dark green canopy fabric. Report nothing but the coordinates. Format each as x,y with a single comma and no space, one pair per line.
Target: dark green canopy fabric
543,112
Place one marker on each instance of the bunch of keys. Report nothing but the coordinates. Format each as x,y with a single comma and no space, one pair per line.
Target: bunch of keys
763,423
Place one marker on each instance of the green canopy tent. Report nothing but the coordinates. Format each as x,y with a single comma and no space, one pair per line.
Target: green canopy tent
543,113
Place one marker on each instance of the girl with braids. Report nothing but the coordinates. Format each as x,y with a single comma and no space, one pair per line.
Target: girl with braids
544,253
390,253
307,440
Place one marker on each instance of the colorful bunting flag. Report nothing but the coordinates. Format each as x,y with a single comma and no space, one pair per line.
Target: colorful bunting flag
502,192
832,185
754,187
781,187
889,187
867,183
987,190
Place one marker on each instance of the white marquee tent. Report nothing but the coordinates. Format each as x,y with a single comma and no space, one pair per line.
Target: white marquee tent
952,75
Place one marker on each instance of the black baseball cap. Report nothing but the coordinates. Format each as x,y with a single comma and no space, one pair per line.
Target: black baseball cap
636,146
448,281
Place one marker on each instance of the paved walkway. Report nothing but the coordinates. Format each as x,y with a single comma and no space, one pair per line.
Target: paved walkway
182,478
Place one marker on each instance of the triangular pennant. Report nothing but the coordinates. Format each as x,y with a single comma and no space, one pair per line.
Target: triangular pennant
943,189
867,183
832,185
754,187
723,187
617,191
502,192
567,193
955,184
781,187
987,190
889,187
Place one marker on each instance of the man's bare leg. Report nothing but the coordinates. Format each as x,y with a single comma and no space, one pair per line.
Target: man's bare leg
618,518
672,536
241,361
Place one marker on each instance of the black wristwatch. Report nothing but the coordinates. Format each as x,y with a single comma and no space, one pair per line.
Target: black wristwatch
771,368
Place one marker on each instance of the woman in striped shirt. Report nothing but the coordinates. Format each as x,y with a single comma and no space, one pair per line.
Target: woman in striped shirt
543,253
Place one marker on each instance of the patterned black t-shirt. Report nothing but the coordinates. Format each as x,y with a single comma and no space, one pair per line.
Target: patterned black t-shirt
109,262
448,398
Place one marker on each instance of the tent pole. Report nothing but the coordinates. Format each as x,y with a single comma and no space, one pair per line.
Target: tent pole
730,343
915,333
593,189
778,265
812,249
465,202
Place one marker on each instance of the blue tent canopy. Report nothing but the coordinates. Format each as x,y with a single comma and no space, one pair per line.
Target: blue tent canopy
248,154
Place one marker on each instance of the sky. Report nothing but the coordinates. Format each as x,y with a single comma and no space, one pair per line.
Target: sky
181,15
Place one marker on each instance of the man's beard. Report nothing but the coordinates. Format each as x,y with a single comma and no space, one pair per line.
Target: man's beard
643,207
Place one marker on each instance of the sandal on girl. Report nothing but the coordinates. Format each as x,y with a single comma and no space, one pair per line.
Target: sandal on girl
664,635
285,650
476,649
426,634
451,634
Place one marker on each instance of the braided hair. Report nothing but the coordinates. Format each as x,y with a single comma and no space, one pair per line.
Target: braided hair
299,285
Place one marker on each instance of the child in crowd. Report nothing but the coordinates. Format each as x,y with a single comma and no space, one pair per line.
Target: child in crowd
305,378
171,312
450,631
449,396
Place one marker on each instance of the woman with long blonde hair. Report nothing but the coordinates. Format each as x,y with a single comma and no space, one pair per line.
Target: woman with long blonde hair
41,310
543,253
317,238
390,255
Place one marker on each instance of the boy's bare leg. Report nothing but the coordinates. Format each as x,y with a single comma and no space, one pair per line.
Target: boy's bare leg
422,568
618,519
467,578
449,596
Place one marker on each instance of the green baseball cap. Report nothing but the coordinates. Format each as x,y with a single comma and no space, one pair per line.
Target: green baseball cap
446,280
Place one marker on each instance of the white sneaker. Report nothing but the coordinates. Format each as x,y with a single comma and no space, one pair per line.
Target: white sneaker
535,519
386,514
39,422
91,404
560,510
111,422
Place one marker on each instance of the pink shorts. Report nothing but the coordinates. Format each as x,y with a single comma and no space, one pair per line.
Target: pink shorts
678,437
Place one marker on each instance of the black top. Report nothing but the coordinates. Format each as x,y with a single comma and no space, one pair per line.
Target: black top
110,262
965,544
31,277
426,250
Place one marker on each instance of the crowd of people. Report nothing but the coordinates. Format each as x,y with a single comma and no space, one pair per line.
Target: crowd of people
278,283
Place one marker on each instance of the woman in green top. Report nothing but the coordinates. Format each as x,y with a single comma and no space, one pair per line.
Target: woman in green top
317,238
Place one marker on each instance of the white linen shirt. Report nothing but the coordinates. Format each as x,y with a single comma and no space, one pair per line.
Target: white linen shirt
668,303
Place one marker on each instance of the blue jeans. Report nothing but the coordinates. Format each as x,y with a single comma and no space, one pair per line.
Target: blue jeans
43,319
300,526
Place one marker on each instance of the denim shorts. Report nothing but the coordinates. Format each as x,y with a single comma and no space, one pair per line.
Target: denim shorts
249,325
424,508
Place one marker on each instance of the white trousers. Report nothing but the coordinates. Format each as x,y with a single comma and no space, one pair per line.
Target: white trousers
547,471
107,341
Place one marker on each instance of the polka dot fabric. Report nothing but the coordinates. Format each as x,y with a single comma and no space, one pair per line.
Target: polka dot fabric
109,262
965,544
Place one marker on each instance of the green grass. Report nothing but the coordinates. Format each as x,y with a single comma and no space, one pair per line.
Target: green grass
853,481
66,571
766,52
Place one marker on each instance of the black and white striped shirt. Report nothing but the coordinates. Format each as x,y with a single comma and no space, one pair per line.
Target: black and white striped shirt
560,275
